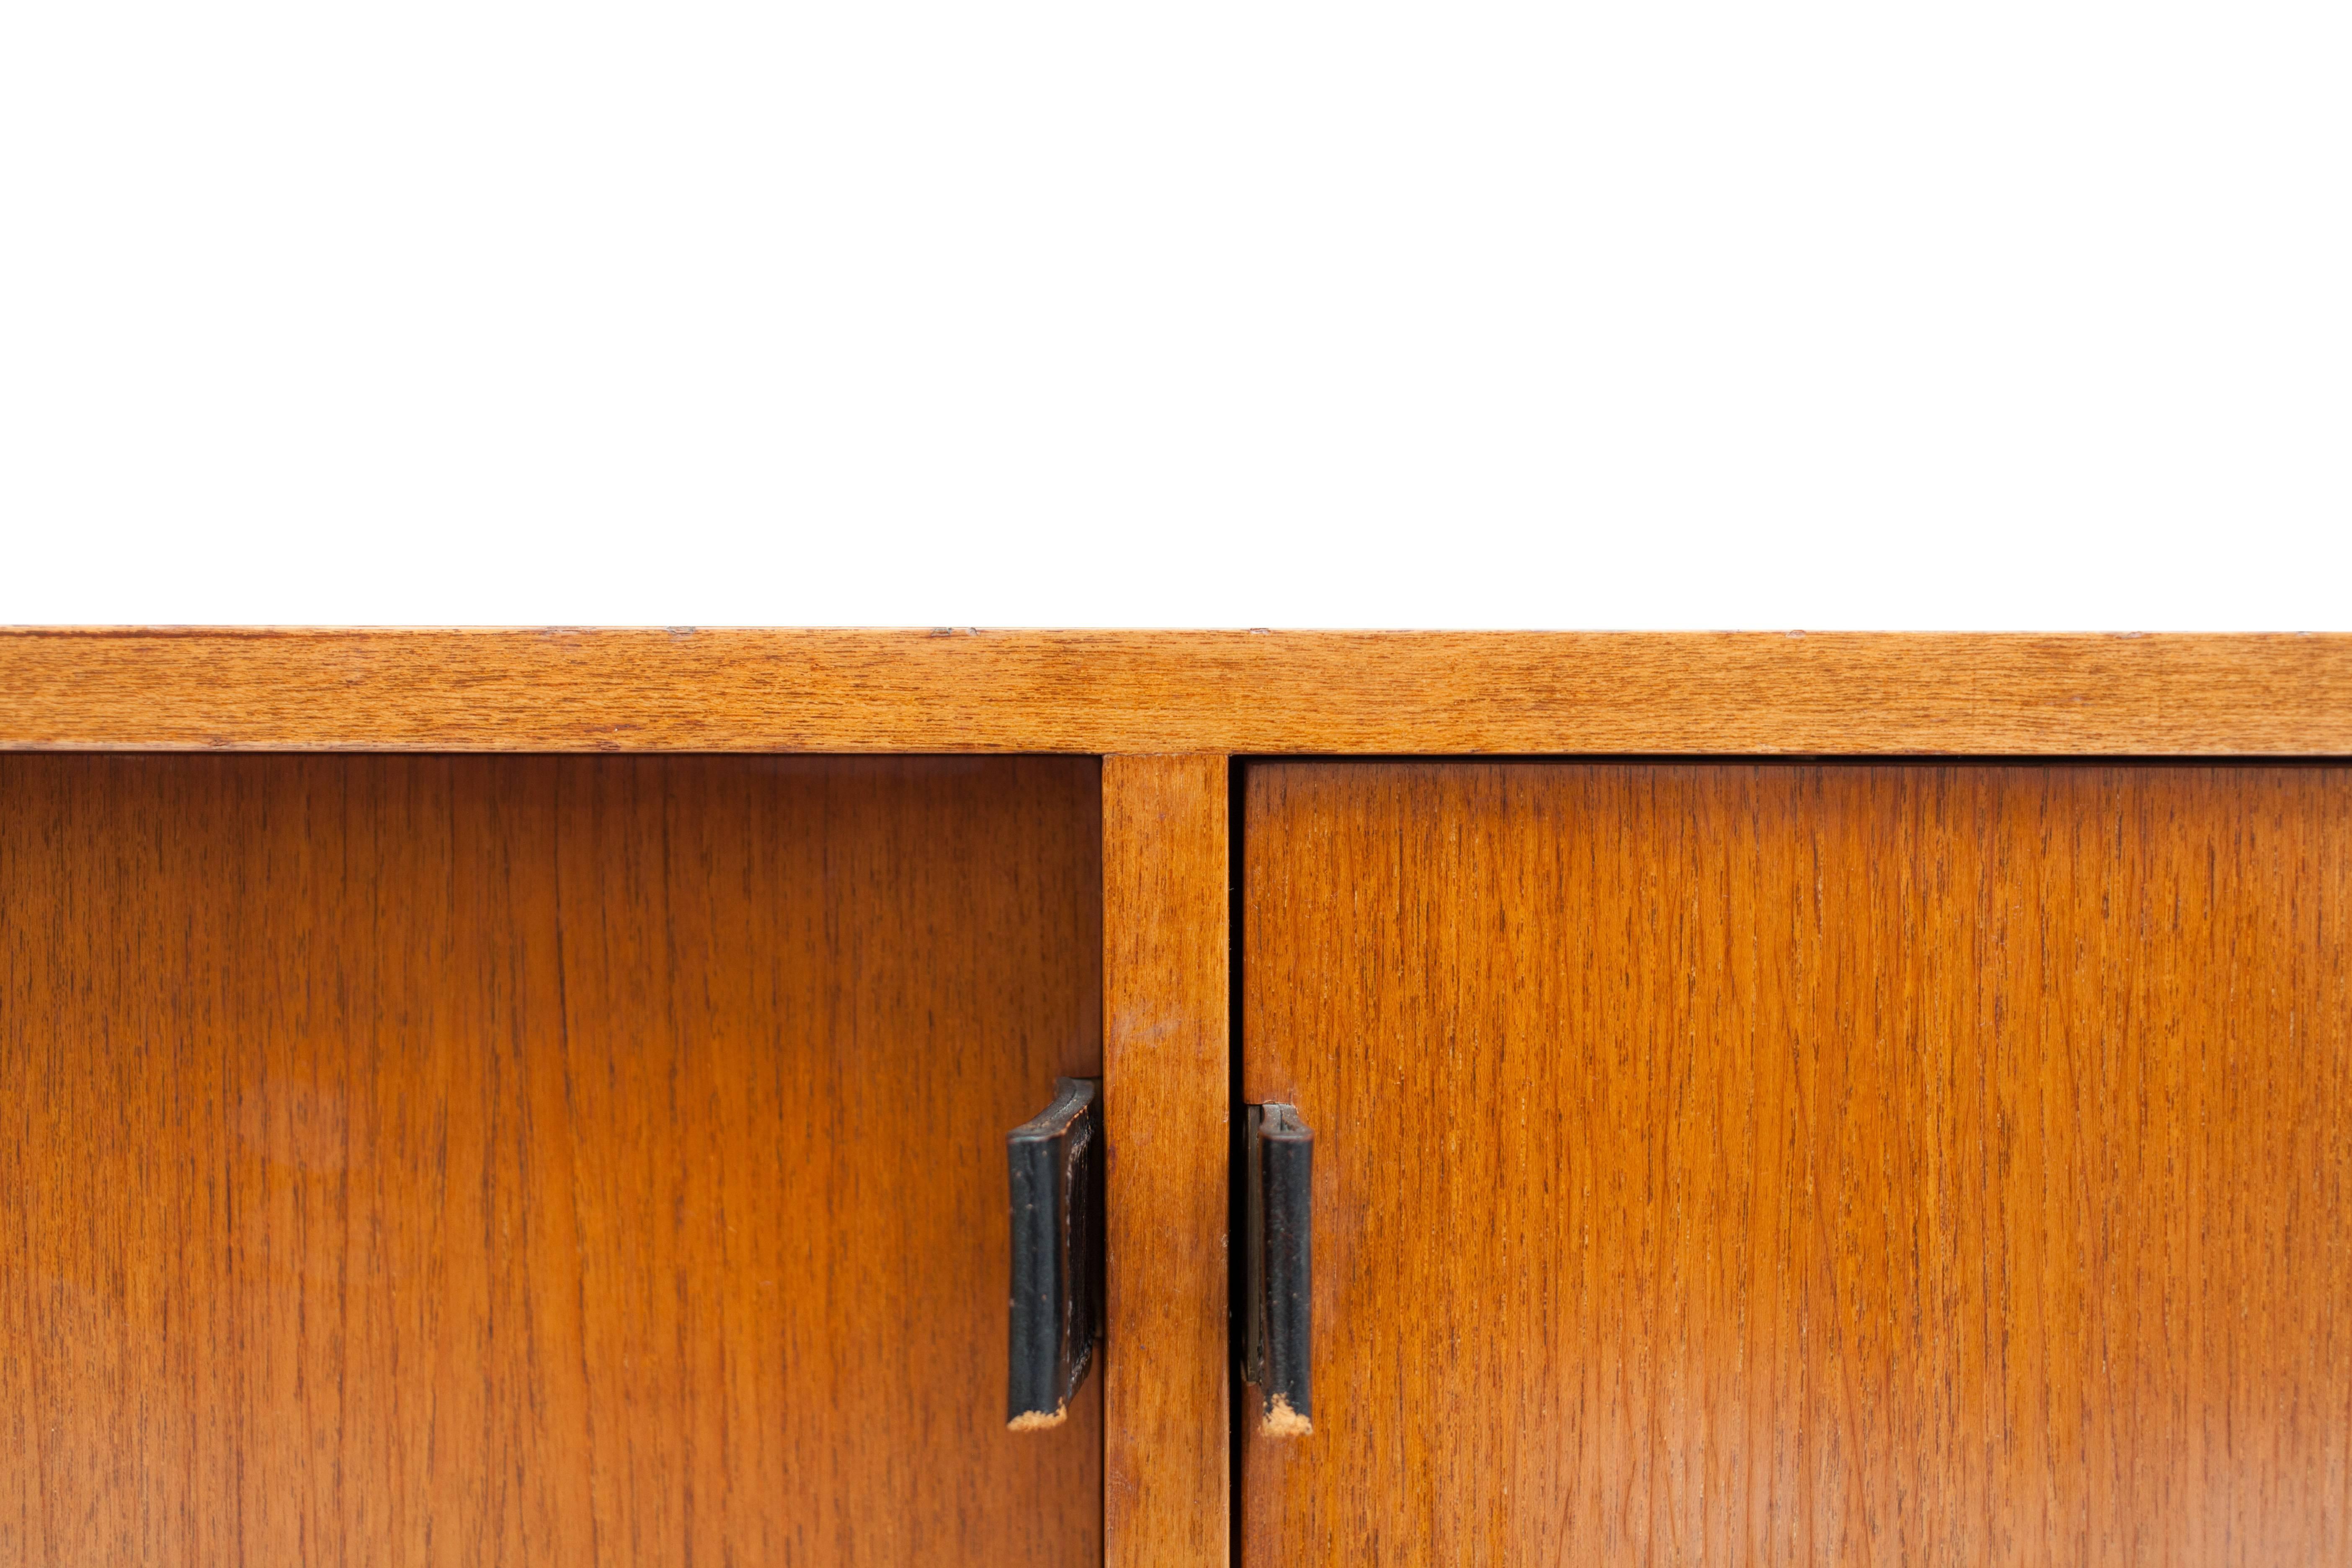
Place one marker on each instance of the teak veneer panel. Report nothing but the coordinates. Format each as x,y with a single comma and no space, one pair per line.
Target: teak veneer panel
1805,1164
1167,1082
530,1160
796,689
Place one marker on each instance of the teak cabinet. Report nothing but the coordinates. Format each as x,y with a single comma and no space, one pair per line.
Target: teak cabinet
480,1098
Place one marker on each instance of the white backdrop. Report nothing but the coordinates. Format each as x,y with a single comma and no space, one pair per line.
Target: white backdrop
1645,315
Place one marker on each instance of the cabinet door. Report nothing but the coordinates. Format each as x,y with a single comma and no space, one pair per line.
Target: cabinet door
1798,1163
530,1160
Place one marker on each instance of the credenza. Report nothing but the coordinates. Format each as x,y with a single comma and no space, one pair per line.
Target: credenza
771,1096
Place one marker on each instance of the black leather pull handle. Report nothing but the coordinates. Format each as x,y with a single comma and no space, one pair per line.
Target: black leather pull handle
1279,1265
1057,1253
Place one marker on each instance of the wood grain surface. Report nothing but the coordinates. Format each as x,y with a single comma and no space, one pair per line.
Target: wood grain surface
781,689
530,1160
1805,1164
1167,1084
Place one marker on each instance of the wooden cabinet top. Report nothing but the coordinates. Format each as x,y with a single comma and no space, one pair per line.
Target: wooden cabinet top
961,689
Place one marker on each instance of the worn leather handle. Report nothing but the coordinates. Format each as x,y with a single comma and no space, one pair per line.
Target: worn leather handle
1280,1267
1055,1159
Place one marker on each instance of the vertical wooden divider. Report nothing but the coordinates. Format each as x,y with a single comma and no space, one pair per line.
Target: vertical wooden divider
1166,1484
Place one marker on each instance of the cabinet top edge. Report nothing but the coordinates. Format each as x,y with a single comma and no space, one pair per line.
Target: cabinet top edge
972,690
